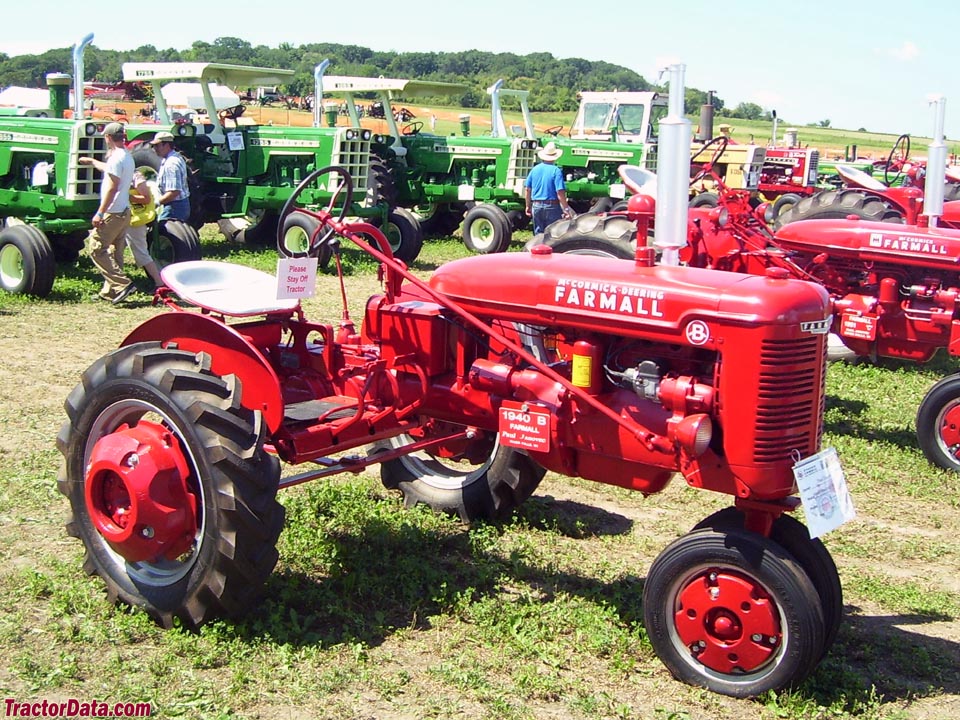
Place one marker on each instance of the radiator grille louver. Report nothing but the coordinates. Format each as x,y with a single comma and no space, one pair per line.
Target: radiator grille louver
789,398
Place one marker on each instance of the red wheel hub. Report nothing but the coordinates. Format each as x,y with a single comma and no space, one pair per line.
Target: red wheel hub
137,495
727,621
950,427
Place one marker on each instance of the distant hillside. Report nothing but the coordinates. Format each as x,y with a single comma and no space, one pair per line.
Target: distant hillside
553,83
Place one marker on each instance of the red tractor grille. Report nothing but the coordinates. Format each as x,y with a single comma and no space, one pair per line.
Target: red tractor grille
789,398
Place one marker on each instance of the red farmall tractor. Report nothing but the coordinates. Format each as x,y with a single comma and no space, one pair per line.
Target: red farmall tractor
897,198
465,389
895,287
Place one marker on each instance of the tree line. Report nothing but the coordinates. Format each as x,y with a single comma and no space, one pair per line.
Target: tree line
553,82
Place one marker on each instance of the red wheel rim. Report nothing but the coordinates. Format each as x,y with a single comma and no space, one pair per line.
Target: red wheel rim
727,621
949,429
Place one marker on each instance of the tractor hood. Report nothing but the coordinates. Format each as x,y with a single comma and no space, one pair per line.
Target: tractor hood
868,242
627,297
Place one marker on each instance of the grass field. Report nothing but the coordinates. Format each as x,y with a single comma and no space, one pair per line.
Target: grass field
375,611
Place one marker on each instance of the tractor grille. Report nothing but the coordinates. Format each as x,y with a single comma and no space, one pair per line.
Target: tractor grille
83,181
354,157
522,160
789,398
813,170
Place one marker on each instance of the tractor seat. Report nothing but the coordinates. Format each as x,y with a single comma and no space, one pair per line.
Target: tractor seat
226,289
858,178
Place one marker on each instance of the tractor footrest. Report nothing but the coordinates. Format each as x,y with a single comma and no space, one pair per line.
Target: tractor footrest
311,410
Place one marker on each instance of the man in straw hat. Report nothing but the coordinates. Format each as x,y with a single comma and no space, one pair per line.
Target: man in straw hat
546,193
107,239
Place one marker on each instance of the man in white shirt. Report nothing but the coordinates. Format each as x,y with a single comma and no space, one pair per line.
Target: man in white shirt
107,238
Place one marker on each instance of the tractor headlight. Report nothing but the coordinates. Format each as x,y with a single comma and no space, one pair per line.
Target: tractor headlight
90,129
186,130
366,134
721,216
352,134
694,433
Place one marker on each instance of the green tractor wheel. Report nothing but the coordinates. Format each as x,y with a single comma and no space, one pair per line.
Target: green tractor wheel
404,234
27,264
486,229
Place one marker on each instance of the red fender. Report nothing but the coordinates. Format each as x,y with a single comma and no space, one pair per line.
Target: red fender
230,354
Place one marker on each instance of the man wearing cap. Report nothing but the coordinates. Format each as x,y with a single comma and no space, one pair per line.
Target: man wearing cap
546,193
107,238
174,200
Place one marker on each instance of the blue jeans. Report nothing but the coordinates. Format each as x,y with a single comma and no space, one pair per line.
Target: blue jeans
545,214
177,210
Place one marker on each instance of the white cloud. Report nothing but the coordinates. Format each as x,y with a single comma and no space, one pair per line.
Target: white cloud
905,53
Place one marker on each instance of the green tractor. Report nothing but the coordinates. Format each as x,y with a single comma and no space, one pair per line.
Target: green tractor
476,178
443,178
244,172
48,199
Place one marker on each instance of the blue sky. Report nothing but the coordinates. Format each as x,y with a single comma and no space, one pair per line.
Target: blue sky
870,65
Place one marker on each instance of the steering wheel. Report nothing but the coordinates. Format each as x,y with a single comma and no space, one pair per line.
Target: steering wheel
412,128
231,113
302,232
555,130
900,158
721,143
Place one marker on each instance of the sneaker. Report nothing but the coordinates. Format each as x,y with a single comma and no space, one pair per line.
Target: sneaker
124,294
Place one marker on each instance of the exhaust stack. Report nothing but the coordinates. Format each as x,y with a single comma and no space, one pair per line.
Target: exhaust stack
936,164
318,72
673,173
78,75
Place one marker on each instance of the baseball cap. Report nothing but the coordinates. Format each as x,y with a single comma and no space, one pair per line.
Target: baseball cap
113,128
162,137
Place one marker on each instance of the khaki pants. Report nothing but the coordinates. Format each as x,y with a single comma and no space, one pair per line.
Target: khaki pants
107,244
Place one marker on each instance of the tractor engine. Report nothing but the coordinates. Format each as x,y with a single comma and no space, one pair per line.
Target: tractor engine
649,370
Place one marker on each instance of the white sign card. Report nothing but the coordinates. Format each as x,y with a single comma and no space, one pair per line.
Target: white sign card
296,277
823,489
235,140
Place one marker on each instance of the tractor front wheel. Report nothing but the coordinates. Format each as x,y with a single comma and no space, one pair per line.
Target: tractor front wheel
403,232
784,203
486,229
27,264
814,558
732,612
170,488
487,488
938,424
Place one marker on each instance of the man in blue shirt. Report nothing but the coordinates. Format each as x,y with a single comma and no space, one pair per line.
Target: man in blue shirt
546,193
174,200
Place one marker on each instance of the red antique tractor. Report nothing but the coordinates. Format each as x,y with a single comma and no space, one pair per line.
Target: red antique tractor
465,389
896,198
895,287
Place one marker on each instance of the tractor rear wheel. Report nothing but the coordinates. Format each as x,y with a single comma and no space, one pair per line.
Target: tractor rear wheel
813,557
381,187
784,203
486,229
938,423
603,235
487,490
838,204
176,241
170,488
733,612
27,264
951,191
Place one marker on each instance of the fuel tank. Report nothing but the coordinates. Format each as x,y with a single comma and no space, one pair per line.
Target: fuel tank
875,242
618,296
